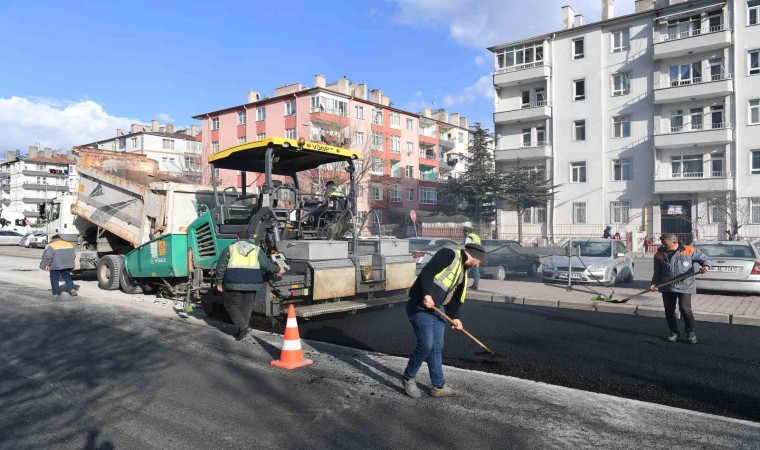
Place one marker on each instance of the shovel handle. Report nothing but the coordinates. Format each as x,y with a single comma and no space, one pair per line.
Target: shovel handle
467,333
667,283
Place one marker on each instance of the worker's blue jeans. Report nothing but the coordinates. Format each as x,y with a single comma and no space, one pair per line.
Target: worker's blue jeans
475,274
428,328
56,275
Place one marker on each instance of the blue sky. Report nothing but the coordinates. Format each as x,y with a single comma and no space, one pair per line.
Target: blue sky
74,71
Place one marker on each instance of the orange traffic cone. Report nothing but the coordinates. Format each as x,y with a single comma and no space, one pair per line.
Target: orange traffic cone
291,356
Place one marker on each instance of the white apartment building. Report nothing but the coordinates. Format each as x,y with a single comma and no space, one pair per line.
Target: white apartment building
647,121
453,140
177,151
27,181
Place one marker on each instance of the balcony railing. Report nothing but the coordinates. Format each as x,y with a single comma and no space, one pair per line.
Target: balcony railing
519,67
333,111
718,174
691,33
537,104
698,127
666,82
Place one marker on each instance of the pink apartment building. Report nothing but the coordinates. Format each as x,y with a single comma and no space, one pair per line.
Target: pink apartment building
404,155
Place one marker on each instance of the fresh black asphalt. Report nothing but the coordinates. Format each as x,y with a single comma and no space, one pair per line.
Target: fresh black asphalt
625,356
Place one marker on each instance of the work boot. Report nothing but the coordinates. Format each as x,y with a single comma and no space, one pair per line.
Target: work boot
692,338
73,293
411,389
242,334
672,337
445,391
56,296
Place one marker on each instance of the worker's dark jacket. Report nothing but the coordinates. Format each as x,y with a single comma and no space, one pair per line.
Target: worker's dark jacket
58,255
680,263
246,278
425,285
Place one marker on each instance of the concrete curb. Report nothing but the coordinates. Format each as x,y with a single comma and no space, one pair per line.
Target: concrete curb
712,317
585,306
507,299
541,302
745,320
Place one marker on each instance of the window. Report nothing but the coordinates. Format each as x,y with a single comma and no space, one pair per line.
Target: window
396,169
579,212
685,74
378,166
410,193
754,208
290,133
409,124
290,108
620,40
410,171
621,127
377,192
578,172
718,163
755,162
621,83
377,141
395,194
753,11
409,148
428,196
190,163
396,144
521,56
619,211
261,114
377,216
621,170
579,90
359,112
717,212
686,166
215,123
676,120
167,144
133,142
241,140
261,136
695,118
579,130
753,60
535,214
395,120
215,147
377,116
461,137
683,27
540,96
359,138
754,111
578,48
241,118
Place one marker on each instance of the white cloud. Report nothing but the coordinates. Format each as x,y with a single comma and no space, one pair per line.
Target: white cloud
479,60
481,89
418,94
54,123
164,118
483,23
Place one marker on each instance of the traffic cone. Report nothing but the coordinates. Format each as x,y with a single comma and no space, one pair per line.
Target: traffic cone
291,356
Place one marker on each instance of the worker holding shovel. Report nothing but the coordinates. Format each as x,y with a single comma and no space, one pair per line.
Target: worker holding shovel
674,260
441,284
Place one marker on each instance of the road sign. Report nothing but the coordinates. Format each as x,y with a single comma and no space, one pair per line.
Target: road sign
413,215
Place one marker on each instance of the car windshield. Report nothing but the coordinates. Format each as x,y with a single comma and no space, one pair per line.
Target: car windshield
593,248
732,250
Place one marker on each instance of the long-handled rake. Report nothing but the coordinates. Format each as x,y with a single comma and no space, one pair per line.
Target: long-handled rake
608,299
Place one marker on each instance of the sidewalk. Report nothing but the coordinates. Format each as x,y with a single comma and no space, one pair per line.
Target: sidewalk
734,309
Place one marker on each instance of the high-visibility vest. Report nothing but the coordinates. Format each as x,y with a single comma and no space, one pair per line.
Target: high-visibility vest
243,269
337,193
447,278
474,238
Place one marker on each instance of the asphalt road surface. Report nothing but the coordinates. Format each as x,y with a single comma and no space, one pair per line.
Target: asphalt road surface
614,354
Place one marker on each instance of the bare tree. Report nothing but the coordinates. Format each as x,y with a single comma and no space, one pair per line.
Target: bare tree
726,209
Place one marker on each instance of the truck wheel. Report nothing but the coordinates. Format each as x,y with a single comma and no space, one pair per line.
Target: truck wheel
128,285
109,272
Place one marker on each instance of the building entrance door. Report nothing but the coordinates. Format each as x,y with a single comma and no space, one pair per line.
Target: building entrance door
676,219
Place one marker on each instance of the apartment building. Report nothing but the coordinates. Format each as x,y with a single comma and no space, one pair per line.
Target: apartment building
27,181
405,155
648,121
177,151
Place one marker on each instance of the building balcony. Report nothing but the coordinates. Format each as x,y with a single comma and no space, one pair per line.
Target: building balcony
694,89
34,200
527,112
430,141
5,188
447,166
717,134
332,117
43,173
45,187
692,41
523,73
693,182
428,154
542,150
445,143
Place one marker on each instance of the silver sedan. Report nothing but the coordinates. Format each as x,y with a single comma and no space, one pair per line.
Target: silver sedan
604,261
736,267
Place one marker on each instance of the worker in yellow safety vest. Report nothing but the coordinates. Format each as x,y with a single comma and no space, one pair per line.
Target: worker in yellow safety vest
471,238
442,283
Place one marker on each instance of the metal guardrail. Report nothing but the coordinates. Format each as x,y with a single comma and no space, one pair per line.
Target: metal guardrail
691,33
519,67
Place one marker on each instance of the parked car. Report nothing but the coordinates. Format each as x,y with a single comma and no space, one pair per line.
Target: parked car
736,266
38,241
27,239
605,261
8,237
424,248
505,257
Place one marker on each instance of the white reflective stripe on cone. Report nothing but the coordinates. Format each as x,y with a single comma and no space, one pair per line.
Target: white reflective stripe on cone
291,323
291,345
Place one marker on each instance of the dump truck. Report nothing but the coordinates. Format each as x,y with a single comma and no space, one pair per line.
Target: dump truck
164,236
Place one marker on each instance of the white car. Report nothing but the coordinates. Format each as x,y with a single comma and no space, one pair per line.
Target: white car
8,237
27,239
604,261
38,241
736,267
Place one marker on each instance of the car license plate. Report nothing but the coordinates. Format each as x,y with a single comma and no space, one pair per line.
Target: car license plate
575,276
726,269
